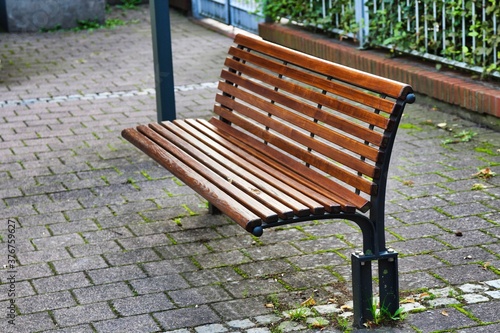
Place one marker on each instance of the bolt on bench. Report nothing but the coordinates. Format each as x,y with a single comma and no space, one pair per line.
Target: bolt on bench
296,139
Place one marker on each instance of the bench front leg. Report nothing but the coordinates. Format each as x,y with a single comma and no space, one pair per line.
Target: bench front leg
213,210
388,281
362,290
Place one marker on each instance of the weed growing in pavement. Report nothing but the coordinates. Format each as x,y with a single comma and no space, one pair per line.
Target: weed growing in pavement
299,314
343,323
129,4
382,315
464,136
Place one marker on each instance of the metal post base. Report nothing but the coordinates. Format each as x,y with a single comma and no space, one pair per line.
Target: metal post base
388,281
362,285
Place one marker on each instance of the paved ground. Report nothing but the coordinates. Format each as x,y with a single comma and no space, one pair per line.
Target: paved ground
106,241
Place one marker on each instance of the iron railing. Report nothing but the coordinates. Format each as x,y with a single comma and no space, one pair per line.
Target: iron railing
460,33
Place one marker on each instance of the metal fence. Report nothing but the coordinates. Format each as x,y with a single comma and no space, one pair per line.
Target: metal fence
244,14
462,33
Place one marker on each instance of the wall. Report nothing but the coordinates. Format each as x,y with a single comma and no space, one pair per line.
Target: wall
34,15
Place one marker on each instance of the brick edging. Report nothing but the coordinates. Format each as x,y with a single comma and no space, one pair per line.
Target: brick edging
443,86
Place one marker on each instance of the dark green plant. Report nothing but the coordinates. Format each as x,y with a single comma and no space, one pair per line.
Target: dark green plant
404,32
129,4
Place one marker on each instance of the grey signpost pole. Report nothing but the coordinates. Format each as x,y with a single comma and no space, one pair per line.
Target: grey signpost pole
162,56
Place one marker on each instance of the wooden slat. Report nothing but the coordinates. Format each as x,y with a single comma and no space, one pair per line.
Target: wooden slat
266,214
263,168
290,167
227,204
321,115
323,82
268,195
296,135
296,119
371,82
304,155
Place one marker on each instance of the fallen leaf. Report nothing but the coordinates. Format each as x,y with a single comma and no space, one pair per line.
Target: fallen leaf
444,313
309,302
486,265
345,308
269,305
408,300
424,295
485,173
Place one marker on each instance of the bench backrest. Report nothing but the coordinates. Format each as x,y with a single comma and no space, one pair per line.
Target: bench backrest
334,119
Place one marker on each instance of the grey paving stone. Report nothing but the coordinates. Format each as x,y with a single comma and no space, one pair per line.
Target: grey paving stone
418,263
42,219
465,255
28,323
23,289
241,324
311,261
308,278
481,329
486,312
267,268
33,271
131,257
207,276
200,295
158,284
468,238
187,317
58,242
79,264
103,292
172,266
60,282
310,246
83,250
215,328
85,328
72,227
32,257
82,314
143,304
45,302
213,260
182,250
141,323
145,241
240,308
115,274
464,274
433,320
416,280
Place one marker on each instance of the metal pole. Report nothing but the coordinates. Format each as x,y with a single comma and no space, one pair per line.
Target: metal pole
162,56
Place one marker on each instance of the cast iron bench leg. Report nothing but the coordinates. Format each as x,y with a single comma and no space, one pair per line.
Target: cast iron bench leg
213,210
388,282
361,289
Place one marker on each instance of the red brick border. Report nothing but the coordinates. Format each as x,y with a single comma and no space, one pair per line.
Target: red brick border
445,86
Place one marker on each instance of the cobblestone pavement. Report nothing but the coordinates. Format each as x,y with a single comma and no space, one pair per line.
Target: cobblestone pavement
107,241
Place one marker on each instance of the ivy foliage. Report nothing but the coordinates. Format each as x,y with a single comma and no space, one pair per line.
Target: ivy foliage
461,31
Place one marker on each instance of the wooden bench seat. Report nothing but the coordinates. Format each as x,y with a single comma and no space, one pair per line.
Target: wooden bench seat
297,138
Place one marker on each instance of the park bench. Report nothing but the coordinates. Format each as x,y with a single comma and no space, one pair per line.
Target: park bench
297,138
